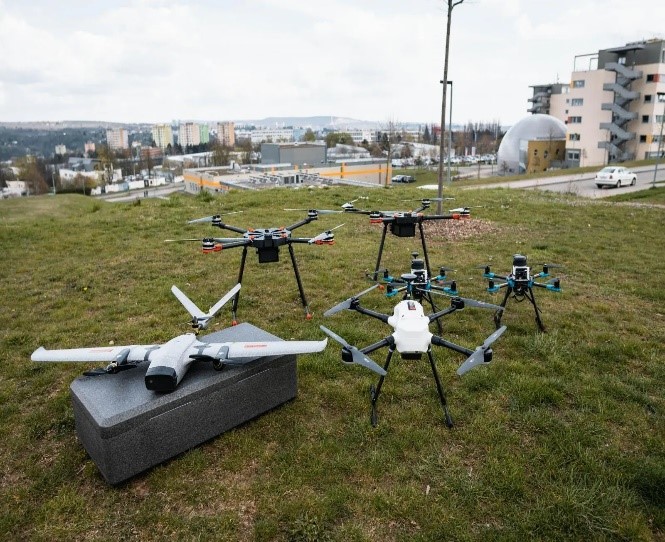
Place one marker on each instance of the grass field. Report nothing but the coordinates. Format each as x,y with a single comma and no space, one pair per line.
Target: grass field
562,437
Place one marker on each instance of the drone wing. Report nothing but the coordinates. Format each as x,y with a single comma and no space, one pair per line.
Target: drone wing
244,351
125,354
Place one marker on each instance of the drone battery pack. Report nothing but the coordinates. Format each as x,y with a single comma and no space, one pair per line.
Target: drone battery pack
407,229
127,429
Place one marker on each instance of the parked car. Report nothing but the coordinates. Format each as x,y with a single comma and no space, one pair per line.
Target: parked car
615,176
403,179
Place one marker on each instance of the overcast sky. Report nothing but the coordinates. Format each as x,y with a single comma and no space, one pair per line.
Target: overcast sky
380,60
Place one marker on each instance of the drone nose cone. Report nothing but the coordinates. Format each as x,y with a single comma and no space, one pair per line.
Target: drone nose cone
161,378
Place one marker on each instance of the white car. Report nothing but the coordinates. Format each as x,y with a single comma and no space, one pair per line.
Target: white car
615,176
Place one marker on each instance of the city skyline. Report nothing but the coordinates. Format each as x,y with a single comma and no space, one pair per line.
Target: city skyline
151,61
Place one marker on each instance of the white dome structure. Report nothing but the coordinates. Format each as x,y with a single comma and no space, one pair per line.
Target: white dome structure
512,156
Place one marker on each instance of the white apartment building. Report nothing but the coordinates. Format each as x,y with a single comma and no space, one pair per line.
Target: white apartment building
614,106
117,138
261,135
60,149
189,134
162,135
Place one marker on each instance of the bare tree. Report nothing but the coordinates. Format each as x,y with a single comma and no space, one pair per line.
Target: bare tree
450,5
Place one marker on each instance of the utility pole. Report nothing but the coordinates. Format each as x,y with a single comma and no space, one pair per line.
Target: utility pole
661,98
450,5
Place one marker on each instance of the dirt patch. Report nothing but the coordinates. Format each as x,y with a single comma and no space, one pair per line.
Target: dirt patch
458,230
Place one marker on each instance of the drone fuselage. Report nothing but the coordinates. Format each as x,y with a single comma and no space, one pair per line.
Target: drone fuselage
412,335
169,363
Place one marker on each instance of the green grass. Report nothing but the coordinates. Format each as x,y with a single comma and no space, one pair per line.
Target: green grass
561,438
653,195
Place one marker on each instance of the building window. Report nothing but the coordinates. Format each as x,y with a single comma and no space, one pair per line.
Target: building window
653,78
574,120
577,101
574,137
659,119
647,98
573,155
643,139
645,118
579,83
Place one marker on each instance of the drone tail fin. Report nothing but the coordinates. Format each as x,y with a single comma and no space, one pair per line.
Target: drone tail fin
229,295
189,305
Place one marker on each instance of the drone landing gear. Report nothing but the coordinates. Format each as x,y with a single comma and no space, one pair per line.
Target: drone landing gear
243,258
382,243
308,313
375,391
528,294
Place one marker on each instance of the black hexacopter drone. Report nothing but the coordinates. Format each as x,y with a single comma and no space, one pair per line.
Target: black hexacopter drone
267,242
400,223
403,224
520,283
411,338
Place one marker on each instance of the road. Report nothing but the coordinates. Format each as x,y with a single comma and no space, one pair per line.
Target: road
152,192
582,184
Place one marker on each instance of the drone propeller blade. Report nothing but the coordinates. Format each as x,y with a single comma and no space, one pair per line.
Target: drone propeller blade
347,302
468,302
200,240
481,304
494,336
189,305
324,236
356,355
211,218
318,211
478,355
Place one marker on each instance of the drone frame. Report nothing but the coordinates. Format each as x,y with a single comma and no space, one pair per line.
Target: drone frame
520,284
267,243
351,354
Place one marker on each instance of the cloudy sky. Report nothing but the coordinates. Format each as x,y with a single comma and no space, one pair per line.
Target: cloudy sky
381,60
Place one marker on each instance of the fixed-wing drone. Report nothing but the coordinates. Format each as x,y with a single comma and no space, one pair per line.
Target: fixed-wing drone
169,362
411,338
520,283
267,242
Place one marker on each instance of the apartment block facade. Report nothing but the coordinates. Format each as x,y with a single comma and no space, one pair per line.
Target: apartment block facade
614,109
117,138
226,133
162,134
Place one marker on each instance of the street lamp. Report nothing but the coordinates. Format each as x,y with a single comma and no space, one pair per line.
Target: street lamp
661,98
451,5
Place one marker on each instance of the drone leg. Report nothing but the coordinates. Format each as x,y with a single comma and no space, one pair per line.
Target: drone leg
308,314
378,259
531,298
425,254
234,307
439,388
498,314
434,309
375,391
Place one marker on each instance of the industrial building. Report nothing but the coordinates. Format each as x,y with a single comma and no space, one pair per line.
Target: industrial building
614,105
296,154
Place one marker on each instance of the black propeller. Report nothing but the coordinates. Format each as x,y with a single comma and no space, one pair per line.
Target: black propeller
467,302
356,356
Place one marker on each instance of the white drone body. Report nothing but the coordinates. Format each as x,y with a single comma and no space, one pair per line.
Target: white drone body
412,335
170,361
